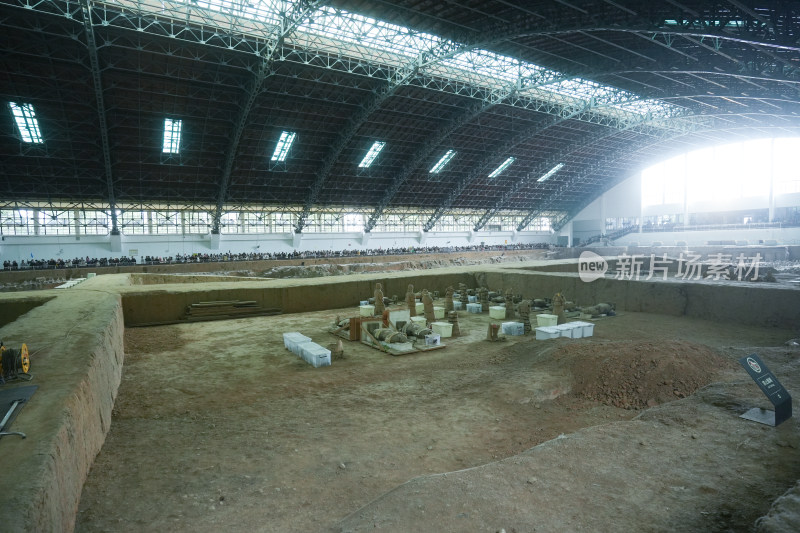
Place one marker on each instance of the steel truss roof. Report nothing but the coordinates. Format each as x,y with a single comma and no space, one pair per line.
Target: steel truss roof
602,87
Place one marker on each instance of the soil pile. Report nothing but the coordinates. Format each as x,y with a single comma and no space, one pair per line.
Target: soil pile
641,374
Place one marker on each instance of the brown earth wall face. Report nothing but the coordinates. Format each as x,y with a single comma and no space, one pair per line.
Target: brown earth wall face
77,355
13,308
166,305
737,302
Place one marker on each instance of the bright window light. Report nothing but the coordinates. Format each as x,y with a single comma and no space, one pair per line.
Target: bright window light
26,121
172,136
373,152
502,167
334,30
284,143
552,171
442,162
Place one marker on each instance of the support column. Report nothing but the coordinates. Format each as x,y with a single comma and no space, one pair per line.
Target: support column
36,222
76,223
771,180
423,237
296,238
567,229
116,242
214,242
685,190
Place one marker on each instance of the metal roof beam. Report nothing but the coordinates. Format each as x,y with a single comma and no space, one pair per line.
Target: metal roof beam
398,79
546,205
91,46
289,24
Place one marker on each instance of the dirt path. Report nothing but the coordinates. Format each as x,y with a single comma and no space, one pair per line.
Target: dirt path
218,426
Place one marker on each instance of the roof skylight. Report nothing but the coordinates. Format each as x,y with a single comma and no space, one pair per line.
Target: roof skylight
172,136
505,164
442,162
550,172
25,117
333,30
373,152
284,143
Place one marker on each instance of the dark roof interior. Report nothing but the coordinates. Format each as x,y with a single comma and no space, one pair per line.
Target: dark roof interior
103,84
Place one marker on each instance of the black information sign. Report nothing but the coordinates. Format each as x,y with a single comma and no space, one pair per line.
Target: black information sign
773,389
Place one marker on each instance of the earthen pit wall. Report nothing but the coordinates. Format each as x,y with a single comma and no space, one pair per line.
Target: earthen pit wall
169,303
13,306
760,304
76,342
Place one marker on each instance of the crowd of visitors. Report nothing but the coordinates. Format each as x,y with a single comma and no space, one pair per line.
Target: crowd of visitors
87,262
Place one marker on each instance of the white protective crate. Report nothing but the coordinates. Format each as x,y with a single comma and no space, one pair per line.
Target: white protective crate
547,332
315,355
399,315
366,310
577,329
438,312
513,328
566,330
444,329
434,339
586,327
420,307
497,311
476,308
546,320
418,320
292,339
472,298
457,305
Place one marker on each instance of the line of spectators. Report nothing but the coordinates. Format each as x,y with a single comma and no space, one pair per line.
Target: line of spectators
87,262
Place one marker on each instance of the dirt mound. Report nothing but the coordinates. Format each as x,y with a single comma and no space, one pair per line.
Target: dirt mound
640,374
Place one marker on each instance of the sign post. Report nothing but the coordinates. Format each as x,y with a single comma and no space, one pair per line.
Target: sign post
772,388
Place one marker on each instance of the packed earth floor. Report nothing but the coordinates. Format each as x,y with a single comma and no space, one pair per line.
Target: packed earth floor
218,427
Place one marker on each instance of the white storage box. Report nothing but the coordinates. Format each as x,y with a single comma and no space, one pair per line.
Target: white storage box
366,310
444,329
420,307
587,327
434,339
577,329
418,319
363,302
316,355
91,275
547,332
292,339
565,330
546,320
476,308
513,328
472,298
457,305
497,311
438,312
400,315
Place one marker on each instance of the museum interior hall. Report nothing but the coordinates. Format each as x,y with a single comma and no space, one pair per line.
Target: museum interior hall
412,265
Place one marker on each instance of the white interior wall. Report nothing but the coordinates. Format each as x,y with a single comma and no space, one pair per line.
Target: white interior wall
68,247
785,236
